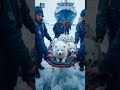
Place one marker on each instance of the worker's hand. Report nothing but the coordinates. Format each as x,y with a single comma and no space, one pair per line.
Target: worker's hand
50,56
51,40
76,43
93,71
74,56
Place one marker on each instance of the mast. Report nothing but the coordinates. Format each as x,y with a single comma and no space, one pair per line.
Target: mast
66,1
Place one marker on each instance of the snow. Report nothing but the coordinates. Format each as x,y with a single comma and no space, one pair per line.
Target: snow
60,79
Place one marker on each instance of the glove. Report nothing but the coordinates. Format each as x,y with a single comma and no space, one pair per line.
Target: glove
51,40
29,78
75,42
100,35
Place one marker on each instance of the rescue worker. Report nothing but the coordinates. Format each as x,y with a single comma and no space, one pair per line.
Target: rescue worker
109,17
40,49
80,55
80,29
58,28
80,33
67,27
42,29
13,52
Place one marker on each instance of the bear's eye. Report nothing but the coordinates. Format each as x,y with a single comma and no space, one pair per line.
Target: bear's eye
57,50
62,50
70,48
85,53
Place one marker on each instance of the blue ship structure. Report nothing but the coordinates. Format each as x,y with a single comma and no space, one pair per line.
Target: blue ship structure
65,10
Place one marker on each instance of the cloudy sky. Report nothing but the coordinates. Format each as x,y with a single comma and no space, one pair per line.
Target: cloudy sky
50,6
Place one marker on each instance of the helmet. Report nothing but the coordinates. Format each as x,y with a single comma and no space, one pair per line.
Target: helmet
82,14
38,10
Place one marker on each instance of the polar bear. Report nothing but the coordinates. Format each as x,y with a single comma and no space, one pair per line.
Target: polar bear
54,41
60,51
71,47
69,39
62,38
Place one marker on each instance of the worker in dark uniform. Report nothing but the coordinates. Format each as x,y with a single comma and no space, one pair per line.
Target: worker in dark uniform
58,28
13,52
80,55
109,17
80,28
80,34
67,27
40,26
40,47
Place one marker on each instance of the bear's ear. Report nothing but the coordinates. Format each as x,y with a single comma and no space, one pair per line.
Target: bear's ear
64,46
55,46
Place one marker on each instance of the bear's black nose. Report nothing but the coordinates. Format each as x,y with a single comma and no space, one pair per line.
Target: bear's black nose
90,60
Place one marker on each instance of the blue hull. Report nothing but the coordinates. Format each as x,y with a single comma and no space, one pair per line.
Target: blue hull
66,15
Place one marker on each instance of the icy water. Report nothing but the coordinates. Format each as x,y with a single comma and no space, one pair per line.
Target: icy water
55,79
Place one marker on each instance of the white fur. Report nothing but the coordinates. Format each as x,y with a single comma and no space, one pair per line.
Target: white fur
69,39
62,38
71,47
54,41
60,51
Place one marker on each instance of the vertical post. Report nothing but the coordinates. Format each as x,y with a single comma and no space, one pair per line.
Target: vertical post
66,2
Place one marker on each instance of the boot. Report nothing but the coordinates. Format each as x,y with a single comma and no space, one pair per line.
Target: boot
81,68
41,67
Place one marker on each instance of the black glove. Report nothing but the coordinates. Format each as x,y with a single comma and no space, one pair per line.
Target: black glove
75,42
51,40
100,35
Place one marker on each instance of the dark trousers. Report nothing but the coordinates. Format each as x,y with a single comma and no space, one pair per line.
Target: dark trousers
37,65
57,35
81,40
66,32
38,59
82,62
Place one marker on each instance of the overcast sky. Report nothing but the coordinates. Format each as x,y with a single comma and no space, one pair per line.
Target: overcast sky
50,6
